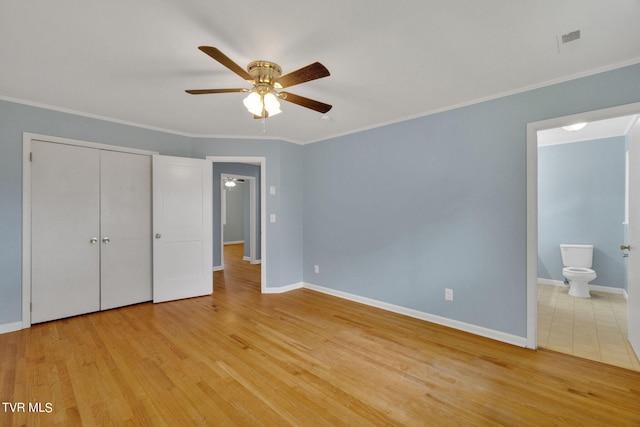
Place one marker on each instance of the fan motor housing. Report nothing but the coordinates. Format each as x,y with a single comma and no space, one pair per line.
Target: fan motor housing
264,71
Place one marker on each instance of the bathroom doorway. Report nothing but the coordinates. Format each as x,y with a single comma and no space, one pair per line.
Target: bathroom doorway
595,160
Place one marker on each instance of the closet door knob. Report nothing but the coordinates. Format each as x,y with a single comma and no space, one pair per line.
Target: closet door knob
93,240
105,239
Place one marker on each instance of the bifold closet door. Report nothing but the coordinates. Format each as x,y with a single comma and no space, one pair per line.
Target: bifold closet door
125,206
65,227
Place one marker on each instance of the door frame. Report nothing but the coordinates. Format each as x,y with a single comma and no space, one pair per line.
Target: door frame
27,137
252,215
262,162
532,199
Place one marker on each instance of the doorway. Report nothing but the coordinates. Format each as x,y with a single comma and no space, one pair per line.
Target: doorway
259,246
533,129
239,215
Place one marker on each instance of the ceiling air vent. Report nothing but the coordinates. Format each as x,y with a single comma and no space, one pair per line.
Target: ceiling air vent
568,42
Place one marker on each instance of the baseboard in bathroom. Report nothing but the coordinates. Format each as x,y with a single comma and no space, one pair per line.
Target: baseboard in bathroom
599,288
550,282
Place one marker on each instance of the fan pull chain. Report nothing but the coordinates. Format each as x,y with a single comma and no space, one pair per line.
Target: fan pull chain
264,125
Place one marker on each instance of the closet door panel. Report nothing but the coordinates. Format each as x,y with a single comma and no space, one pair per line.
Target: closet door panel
65,190
126,274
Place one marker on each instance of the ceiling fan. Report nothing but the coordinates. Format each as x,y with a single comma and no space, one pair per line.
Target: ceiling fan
267,80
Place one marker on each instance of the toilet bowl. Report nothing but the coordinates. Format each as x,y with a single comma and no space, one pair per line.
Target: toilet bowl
577,261
579,279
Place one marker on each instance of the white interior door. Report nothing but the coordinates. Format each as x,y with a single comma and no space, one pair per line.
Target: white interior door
633,283
125,239
65,248
182,224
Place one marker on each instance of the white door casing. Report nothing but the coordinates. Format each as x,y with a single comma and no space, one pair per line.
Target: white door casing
65,227
532,214
182,227
633,282
262,162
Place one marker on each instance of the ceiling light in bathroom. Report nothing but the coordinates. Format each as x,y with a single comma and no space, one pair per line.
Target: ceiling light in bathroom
574,127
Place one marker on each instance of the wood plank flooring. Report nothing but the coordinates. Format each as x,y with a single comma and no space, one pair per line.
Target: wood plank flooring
300,358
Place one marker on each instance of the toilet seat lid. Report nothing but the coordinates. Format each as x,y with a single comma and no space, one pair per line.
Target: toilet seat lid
578,270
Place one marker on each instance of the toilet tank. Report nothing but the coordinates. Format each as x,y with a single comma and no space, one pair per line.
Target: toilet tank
577,255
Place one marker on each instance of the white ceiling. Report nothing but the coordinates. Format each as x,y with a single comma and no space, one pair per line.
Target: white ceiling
130,61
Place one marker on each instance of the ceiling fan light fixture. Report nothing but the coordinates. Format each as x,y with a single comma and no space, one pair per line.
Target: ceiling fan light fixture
266,78
253,103
271,104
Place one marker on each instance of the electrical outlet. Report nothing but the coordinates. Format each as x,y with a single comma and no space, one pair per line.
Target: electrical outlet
316,269
448,294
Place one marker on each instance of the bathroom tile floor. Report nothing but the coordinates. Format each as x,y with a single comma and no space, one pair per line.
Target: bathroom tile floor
592,328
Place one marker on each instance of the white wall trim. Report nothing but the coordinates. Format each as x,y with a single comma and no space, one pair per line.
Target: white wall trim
282,289
10,327
218,268
532,199
454,324
237,242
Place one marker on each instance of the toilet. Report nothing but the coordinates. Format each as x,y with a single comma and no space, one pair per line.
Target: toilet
577,260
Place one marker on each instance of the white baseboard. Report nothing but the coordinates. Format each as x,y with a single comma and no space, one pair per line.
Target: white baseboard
608,289
258,261
218,268
281,289
234,242
10,327
454,324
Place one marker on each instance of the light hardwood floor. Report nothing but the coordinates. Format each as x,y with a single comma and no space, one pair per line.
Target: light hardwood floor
300,358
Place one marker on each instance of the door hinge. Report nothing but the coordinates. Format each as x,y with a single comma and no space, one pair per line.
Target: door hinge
31,306
31,157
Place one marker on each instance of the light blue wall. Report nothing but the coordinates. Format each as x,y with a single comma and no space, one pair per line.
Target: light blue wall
581,200
400,212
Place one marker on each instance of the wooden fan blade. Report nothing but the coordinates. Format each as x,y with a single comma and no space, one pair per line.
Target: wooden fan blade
318,106
310,72
224,60
205,91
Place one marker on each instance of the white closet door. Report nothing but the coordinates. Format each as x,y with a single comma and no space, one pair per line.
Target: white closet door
182,223
125,239
65,231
